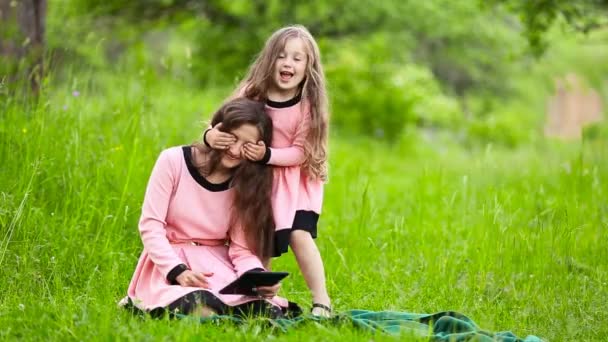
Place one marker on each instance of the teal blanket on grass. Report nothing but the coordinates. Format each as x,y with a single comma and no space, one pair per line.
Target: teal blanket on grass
442,326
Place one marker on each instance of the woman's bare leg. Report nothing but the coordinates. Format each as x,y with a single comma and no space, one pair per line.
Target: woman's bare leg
203,311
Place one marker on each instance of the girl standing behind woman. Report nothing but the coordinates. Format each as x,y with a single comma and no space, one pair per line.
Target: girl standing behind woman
289,77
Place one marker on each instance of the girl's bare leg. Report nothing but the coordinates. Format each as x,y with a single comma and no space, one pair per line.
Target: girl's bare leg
309,259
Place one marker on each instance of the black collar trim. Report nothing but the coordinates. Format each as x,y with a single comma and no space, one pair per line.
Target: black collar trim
202,181
285,104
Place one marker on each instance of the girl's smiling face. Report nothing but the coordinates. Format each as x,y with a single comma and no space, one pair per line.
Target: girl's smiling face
290,67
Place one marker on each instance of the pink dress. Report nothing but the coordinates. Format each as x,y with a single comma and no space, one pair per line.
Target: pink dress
297,199
185,220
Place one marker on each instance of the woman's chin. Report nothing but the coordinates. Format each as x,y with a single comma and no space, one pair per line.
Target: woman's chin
230,163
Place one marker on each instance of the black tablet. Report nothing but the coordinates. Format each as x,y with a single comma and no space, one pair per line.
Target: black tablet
244,284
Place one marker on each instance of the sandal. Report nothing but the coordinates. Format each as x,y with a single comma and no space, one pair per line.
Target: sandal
321,306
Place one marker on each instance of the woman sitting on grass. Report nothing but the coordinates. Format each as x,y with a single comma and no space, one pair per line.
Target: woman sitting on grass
206,220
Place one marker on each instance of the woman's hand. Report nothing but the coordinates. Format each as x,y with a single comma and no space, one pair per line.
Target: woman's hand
194,279
254,152
268,291
219,140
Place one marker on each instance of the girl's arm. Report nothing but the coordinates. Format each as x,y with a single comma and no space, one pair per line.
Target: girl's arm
295,154
216,139
153,215
240,255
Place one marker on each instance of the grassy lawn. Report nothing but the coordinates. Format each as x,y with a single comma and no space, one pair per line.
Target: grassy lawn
514,239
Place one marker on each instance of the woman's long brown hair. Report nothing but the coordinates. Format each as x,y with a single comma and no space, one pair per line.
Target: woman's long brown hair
252,182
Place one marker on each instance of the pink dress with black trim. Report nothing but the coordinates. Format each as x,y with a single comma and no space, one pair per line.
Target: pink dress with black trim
297,198
185,220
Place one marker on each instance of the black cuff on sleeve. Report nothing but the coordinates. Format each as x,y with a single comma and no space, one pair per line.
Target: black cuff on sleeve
266,157
205,138
176,271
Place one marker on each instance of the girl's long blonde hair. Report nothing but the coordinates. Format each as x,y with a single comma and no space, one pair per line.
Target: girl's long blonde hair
259,80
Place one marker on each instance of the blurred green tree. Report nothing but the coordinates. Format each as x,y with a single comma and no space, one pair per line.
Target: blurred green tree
390,64
22,41
540,15
464,47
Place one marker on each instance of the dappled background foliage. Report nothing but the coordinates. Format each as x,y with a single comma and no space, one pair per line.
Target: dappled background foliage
471,72
467,71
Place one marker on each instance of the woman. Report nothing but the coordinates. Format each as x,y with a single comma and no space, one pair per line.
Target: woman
206,220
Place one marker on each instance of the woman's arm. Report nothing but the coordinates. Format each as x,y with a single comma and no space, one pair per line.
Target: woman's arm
153,218
240,255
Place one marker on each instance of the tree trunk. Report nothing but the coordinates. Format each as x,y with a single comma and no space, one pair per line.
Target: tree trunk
22,44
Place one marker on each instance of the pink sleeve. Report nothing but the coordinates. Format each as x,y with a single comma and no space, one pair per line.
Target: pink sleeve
154,212
295,154
241,256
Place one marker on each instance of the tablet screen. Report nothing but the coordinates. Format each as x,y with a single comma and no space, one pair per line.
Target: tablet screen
245,284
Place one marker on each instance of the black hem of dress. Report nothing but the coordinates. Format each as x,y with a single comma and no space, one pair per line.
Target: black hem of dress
213,187
285,104
281,242
306,220
187,303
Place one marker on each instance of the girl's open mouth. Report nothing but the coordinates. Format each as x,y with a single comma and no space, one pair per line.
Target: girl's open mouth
286,75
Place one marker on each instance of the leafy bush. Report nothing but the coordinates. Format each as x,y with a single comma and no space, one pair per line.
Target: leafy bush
596,132
507,125
373,93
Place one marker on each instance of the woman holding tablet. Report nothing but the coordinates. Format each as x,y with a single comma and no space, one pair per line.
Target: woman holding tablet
207,220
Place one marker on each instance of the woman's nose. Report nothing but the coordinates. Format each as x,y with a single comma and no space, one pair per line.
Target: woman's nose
235,149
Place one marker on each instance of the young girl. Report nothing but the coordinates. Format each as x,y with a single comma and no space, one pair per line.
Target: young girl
288,76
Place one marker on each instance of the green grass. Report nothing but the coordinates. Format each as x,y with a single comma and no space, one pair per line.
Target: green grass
514,239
